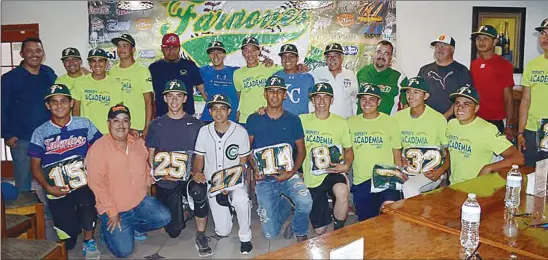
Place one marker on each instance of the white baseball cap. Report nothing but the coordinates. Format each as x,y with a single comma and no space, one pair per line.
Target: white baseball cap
445,39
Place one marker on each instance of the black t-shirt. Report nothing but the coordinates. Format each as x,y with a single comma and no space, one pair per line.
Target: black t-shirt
444,80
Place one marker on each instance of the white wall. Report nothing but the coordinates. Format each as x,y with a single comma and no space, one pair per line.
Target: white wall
419,22
64,23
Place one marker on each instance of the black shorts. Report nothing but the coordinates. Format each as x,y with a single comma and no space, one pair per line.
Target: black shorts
321,214
173,200
74,212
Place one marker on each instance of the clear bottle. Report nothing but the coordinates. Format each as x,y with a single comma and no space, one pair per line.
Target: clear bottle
513,189
470,222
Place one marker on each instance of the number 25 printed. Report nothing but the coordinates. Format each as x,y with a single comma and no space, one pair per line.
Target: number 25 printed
172,163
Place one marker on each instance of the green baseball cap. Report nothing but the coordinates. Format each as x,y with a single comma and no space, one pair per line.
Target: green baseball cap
369,89
275,82
333,47
97,53
486,30
219,99
416,83
124,37
321,88
70,52
250,41
543,25
466,91
215,45
175,85
288,48
58,89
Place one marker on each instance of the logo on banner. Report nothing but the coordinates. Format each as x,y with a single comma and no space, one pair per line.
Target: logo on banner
143,24
147,54
346,19
117,26
97,24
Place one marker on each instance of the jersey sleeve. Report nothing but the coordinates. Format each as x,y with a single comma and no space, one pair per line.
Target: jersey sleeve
36,146
526,77
238,83
150,141
147,84
244,149
496,141
507,75
251,125
93,132
345,139
200,147
403,81
298,131
76,92
442,128
194,70
395,135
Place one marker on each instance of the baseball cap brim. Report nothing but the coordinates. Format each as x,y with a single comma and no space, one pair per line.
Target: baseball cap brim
71,56
51,95
368,94
253,44
541,28
474,34
454,96
174,90
210,104
339,51
210,49
408,87
320,92
292,52
276,87
116,40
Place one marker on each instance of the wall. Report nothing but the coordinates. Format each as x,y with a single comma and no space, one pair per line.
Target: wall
64,23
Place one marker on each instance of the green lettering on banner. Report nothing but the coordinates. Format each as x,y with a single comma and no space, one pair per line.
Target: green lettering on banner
205,22
288,16
222,23
174,9
252,19
237,24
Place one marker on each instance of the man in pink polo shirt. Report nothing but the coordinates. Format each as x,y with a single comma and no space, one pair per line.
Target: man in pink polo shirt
119,175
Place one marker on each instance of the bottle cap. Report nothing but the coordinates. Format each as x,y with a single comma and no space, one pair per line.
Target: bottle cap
471,195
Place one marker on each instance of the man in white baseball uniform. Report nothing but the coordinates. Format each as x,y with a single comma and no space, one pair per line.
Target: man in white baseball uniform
221,151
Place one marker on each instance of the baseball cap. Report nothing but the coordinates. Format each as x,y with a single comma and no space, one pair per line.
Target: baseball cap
124,37
486,30
70,52
288,48
250,41
369,89
275,82
543,25
215,45
466,91
175,85
118,109
171,39
321,88
219,99
416,83
97,53
58,89
445,39
333,47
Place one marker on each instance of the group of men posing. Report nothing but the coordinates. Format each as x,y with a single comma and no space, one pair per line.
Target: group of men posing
294,134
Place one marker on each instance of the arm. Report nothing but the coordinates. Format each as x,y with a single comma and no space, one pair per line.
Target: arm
397,157
435,174
509,109
511,156
98,182
148,111
6,98
151,155
76,108
202,91
301,154
523,114
447,114
197,166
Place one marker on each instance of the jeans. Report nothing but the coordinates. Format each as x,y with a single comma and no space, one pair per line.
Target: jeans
368,204
150,214
21,165
273,210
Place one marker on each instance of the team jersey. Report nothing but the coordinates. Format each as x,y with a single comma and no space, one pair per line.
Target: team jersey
220,82
389,81
426,130
373,141
345,90
320,136
472,146
60,148
250,83
298,86
96,98
67,80
535,77
136,81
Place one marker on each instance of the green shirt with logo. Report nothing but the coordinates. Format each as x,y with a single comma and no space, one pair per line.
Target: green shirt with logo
389,81
250,83
96,97
535,77
136,81
426,130
373,142
328,132
472,146
67,80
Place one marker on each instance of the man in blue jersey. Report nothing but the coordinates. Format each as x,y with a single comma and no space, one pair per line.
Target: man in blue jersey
57,150
298,84
219,79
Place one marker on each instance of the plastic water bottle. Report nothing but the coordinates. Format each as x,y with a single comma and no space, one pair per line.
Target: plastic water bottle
470,222
513,188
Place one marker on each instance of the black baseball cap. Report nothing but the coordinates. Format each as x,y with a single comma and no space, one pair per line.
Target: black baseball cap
543,25
219,99
466,91
70,52
215,45
124,37
118,109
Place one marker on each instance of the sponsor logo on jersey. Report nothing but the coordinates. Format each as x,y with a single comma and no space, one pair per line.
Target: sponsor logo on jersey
183,72
251,82
143,24
126,85
538,76
231,151
462,146
117,26
94,95
347,83
374,139
147,54
317,137
55,145
385,89
409,137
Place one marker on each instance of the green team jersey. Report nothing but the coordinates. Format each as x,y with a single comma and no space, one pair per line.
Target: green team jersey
389,81
329,132
67,80
373,142
136,81
472,146
426,130
96,97
250,83
535,77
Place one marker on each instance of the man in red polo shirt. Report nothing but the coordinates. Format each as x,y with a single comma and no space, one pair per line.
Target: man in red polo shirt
493,78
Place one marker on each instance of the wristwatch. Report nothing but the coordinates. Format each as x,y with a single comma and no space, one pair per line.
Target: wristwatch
519,133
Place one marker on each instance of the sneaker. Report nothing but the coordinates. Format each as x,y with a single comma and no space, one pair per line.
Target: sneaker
246,248
90,250
301,238
139,236
202,245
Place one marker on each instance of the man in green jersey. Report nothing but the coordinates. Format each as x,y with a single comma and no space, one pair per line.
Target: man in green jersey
375,140
96,93
72,61
328,158
388,79
136,83
423,140
533,111
473,141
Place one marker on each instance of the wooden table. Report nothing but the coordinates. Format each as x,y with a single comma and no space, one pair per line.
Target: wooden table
441,209
387,237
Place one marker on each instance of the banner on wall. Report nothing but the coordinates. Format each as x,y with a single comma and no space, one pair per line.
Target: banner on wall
310,25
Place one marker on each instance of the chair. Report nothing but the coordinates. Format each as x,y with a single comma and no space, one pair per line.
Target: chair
28,204
18,225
